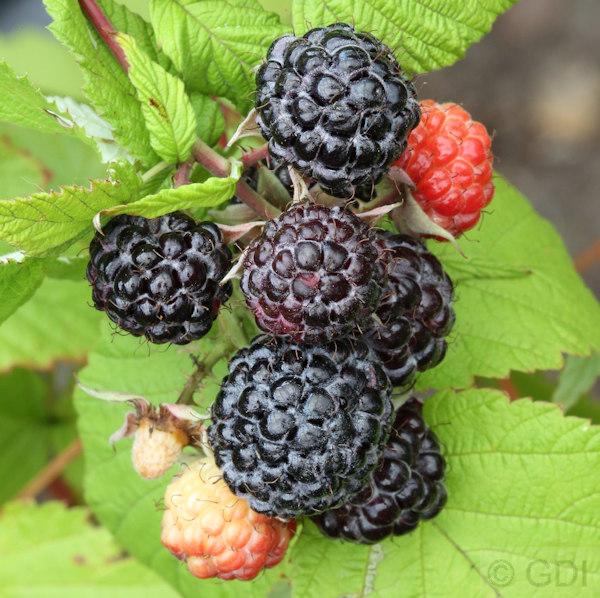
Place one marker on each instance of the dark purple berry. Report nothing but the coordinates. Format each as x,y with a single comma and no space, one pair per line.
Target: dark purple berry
313,274
415,313
406,487
160,277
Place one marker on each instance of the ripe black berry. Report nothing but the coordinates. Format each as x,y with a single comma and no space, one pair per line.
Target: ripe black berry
312,274
298,429
415,311
336,106
160,277
407,486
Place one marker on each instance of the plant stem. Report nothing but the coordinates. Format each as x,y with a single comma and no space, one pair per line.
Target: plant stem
156,169
182,174
51,472
587,258
256,201
211,160
105,30
254,156
231,116
220,166
203,369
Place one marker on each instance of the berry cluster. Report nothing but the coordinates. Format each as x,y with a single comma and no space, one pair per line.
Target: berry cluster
304,424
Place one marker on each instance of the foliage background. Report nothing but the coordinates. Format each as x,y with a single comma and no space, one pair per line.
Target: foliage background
541,97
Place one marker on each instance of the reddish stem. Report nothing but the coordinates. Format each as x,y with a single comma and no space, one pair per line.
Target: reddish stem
52,471
509,388
105,30
60,490
213,162
255,201
231,116
182,174
585,260
254,156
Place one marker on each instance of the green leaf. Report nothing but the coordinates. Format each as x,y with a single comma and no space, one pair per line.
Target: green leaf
48,550
521,489
20,172
282,7
24,105
53,159
18,281
215,45
56,324
208,194
169,115
48,65
24,430
519,302
578,377
425,35
35,425
211,123
106,85
47,222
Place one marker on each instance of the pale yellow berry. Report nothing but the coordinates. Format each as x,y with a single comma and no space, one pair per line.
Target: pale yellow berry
155,450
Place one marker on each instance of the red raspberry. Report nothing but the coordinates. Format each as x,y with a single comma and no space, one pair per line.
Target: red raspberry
449,159
217,533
